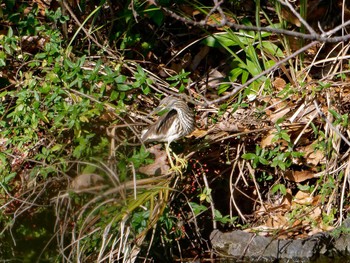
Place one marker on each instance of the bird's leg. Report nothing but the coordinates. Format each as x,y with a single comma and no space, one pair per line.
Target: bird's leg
167,149
180,162
174,168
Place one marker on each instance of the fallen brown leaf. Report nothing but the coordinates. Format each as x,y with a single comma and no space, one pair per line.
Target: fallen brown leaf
279,114
298,176
198,133
302,198
267,140
160,165
316,214
287,199
279,83
313,156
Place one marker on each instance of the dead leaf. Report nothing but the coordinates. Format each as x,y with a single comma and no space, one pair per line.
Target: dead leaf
279,83
183,63
316,200
198,133
279,114
228,126
160,165
315,157
325,227
302,198
287,199
188,10
316,213
298,176
304,113
296,223
267,140
290,17
314,231
213,79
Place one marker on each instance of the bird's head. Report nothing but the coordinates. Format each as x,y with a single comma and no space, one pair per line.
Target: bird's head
167,103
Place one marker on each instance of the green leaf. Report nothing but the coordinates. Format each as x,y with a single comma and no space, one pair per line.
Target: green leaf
335,114
271,48
9,177
253,67
252,57
57,147
235,73
263,161
282,165
249,156
197,209
114,95
222,88
155,14
285,136
269,64
124,87
69,63
245,76
88,169
279,187
304,188
217,214
9,32
219,41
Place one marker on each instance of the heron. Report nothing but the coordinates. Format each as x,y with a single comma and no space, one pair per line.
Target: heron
175,123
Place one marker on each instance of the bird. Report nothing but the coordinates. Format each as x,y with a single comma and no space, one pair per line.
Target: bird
176,122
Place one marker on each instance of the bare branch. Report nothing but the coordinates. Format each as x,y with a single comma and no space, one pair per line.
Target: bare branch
312,36
302,20
279,63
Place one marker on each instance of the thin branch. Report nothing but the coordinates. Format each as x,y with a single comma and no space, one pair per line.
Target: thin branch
302,20
278,64
313,36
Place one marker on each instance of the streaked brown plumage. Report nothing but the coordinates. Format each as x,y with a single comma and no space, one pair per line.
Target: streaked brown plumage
176,123
172,125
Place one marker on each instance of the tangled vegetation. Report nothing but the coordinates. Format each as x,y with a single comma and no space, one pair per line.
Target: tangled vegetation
268,83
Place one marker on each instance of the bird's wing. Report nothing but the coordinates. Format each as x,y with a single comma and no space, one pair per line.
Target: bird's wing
159,130
165,121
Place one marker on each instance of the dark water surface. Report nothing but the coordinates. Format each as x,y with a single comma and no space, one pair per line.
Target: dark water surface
30,239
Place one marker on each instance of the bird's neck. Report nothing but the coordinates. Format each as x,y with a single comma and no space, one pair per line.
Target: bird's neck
181,114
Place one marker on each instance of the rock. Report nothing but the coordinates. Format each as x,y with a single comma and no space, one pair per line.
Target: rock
252,247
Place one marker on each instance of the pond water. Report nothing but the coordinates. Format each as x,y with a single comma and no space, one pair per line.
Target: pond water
30,239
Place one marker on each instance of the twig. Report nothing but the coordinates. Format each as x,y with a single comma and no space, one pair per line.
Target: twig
324,37
211,201
346,180
237,89
302,20
232,189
